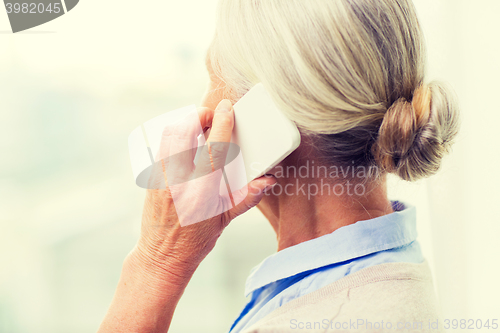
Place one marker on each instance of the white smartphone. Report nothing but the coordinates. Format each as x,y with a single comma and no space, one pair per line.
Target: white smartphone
262,137
263,133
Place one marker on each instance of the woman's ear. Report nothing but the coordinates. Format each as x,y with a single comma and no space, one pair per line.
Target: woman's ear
213,95
215,89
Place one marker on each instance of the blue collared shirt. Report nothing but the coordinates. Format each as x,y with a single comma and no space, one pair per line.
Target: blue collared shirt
309,266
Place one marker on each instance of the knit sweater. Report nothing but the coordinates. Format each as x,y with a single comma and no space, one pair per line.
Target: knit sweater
391,297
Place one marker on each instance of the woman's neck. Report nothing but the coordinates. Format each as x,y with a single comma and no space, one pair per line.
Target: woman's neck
303,208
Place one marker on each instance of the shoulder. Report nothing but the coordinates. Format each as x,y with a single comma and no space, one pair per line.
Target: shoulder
377,298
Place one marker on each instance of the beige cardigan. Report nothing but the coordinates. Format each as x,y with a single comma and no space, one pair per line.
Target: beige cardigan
392,297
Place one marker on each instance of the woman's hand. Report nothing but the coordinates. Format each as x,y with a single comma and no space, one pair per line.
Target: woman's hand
165,245
157,271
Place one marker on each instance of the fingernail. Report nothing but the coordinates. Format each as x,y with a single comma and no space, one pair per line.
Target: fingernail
224,106
269,187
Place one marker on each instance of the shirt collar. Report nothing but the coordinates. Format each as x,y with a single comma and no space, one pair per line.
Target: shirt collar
346,243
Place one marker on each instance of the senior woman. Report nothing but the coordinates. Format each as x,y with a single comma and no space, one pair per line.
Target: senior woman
350,74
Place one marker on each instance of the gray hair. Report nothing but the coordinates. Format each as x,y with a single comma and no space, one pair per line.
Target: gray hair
349,73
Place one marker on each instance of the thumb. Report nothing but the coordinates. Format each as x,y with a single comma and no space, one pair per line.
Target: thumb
222,122
256,190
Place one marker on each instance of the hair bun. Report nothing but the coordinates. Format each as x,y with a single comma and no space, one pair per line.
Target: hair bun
414,136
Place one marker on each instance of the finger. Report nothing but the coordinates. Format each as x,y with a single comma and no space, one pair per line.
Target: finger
190,134
222,122
213,156
256,191
185,130
183,145
206,115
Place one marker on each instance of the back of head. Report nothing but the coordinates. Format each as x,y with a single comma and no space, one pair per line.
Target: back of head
349,73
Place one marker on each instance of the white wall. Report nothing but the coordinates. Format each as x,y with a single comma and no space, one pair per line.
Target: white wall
463,49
